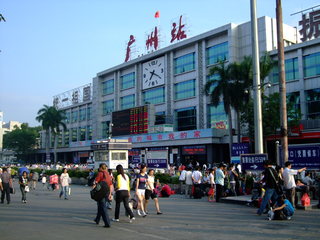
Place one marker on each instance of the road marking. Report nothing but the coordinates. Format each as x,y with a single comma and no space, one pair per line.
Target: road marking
152,236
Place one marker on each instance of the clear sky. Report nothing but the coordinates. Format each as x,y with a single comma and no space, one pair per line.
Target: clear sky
49,47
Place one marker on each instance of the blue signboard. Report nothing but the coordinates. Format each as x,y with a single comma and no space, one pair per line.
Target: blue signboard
253,161
239,148
134,159
157,163
304,156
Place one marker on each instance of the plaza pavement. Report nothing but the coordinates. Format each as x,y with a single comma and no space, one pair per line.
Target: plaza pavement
47,217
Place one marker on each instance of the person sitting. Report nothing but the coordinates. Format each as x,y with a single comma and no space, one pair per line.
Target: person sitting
283,209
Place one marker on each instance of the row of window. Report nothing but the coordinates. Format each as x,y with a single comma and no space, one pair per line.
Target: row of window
78,115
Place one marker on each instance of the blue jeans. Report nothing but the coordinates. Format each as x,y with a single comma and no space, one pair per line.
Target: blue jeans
103,212
269,194
64,191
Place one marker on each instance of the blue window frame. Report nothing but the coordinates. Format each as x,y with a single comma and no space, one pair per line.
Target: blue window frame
127,80
127,101
184,63
313,103
154,96
186,119
108,87
291,68
216,117
217,53
105,129
107,107
311,65
185,89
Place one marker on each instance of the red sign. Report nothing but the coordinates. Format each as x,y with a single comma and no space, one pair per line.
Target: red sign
128,53
194,150
180,34
153,40
310,26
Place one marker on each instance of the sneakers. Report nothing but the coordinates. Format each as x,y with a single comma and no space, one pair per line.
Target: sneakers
115,220
139,213
132,219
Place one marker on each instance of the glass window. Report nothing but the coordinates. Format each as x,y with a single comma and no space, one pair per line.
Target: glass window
216,116
89,112
184,63
127,101
185,89
127,81
74,135
217,53
291,68
313,103
105,129
294,98
66,138
82,133
311,65
107,107
74,115
82,114
89,132
154,96
67,119
186,119
60,140
108,87
160,118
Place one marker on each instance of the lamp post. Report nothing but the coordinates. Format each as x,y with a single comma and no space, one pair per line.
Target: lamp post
258,137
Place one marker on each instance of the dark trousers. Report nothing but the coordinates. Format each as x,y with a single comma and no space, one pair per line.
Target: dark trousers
103,212
23,193
122,196
219,192
5,192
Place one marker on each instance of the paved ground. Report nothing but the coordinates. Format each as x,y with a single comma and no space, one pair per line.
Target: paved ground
47,217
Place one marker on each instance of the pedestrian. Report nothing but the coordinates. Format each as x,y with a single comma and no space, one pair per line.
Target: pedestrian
35,178
1,187
188,190
220,176
151,193
24,188
289,182
64,180
142,181
6,185
182,179
270,179
122,194
109,202
104,178
54,179
44,181
212,184
233,176
283,209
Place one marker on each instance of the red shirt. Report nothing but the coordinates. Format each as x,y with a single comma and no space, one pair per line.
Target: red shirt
105,177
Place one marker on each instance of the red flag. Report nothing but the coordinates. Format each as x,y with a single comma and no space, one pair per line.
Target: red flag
157,14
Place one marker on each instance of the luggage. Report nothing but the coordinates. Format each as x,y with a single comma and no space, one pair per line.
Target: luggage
305,200
100,191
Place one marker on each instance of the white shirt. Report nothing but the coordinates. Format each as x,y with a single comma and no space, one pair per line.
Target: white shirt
150,185
197,175
64,178
220,177
211,177
288,178
183,175
189,178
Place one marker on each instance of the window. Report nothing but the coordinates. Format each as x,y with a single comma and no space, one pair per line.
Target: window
154,96
107,107
89,112
184,63
160,118
313,103
66,138
82,114
294,98
127,81
108,87
74,135
82,133
211,78
216,117
186,119
60,140
291,68
74,115
105,129
311,65
67,119
89,132
127,101
185,89
217,53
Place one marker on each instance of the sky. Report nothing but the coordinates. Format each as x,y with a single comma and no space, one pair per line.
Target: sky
49,47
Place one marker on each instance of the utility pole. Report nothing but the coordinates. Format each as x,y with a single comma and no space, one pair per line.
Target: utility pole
282,84
258,137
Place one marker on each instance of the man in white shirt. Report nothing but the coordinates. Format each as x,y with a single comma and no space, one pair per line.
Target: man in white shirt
197,176
182,179
188,182
289,182
220,175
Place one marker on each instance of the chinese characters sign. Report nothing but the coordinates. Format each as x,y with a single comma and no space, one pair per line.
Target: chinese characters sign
153,40
310,25
239,148
178,32
128,52
253,161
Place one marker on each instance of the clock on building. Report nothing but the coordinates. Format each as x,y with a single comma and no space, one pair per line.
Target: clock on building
153,73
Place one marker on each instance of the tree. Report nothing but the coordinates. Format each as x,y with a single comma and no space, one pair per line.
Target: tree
221,88
52,120
21,140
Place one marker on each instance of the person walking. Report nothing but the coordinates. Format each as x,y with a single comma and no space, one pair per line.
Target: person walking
150,193
34,179
289,182
64,180
220,176
188,190
24,188
104,178
122,194
6,185
142,181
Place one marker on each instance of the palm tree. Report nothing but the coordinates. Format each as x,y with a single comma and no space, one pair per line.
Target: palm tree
51,119
220,88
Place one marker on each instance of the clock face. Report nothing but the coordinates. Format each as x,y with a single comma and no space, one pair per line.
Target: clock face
153,73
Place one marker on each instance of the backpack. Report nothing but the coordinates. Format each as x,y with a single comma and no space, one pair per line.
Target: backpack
100,191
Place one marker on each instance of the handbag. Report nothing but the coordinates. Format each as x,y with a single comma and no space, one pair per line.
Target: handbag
26,189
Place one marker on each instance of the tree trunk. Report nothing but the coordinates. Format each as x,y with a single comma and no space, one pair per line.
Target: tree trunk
47,145
56,136
230,131
238,126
